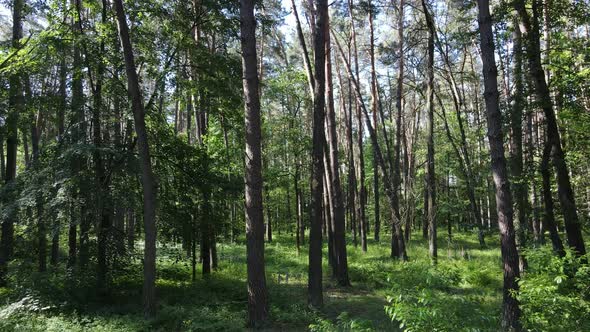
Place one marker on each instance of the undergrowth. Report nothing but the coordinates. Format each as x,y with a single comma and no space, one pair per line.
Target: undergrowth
460,293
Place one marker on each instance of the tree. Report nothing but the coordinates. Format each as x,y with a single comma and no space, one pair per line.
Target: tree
430,175
314,286
362,190
257,294
374,109
516,152
16,105
147,176
510,307
337,219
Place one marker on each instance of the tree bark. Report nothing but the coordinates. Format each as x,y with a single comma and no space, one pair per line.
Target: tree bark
549,220
16,105
2,160
147,176
258,308
395,239
511,310
516,154
60,132
362,191
304,52
105,212
430,175
375,105
315,296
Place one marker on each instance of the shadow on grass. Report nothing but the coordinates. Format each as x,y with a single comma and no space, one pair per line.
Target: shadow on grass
219,302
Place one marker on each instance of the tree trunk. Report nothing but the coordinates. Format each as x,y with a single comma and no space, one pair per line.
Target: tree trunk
72,235
298,235
549,220
397,241
362,192
511,310
147,176
430,175
60,132
78,137
2,160
315,296
268,216
258,308
206,232
516,158
351,204
304,52
16,105
131,229
375,105
103,204
35,127
337,219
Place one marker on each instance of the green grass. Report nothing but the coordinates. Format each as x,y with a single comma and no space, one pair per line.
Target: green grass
465,289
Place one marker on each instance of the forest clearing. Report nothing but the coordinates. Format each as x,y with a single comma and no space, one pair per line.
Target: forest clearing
293,165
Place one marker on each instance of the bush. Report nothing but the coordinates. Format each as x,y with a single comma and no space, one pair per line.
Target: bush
452,296
554,293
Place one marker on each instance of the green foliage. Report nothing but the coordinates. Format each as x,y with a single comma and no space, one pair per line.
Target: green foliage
343,323
554,293
455,295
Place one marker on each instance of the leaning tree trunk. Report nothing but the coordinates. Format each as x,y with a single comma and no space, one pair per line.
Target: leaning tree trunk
147,176
399,250
511,310
315,296
549,217
258,309
564,187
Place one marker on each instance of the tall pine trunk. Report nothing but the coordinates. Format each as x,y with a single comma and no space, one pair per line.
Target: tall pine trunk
430,176
510,306
315,296
374,108
258,308
399,103
362,191
516,152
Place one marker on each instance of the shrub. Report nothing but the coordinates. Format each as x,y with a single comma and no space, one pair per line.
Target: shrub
554,293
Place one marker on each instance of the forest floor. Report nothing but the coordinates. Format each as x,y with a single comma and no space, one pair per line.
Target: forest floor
465,286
